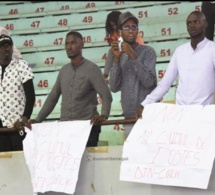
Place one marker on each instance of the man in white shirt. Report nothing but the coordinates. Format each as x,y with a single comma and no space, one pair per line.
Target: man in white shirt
17,95
194,65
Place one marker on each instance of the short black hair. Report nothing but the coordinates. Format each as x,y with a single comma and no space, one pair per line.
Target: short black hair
75,33
198,13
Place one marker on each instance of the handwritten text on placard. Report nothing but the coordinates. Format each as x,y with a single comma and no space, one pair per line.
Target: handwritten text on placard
53,153
171,144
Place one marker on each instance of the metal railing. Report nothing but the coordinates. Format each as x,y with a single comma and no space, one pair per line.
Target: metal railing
108,122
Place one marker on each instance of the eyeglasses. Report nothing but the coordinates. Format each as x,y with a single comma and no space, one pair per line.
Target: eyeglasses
132,27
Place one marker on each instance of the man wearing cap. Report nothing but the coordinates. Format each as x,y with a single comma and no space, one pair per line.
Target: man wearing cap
133,70
16,52
17,95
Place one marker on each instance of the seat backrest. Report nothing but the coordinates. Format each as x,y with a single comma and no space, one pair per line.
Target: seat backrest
23,9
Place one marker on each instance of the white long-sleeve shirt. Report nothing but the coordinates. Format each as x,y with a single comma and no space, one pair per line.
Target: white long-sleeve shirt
195,70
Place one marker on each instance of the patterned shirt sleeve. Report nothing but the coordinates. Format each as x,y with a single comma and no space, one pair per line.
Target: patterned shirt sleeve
25,71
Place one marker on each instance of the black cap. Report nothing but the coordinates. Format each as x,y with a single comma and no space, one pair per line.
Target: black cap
5,39
126,16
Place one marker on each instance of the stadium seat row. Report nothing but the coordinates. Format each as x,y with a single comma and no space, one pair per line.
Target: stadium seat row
35,9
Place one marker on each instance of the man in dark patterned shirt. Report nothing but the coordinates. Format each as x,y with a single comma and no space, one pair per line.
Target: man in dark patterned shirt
133,70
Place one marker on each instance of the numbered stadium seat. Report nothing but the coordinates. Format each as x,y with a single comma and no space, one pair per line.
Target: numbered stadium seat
43,82
95,37
63,19
23,9
54,60
56,41
39,102
92,38
40,42
164,31
164,12
165,49
56,23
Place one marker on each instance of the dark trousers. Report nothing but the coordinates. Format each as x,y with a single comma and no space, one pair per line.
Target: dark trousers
94,136
11,141
209,10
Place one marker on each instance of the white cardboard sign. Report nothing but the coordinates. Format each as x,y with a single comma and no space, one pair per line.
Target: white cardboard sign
53,153
171,145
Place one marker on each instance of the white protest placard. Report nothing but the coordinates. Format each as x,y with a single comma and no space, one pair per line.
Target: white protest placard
53,152
171,145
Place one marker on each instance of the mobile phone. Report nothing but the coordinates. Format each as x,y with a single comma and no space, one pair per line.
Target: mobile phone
120,40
